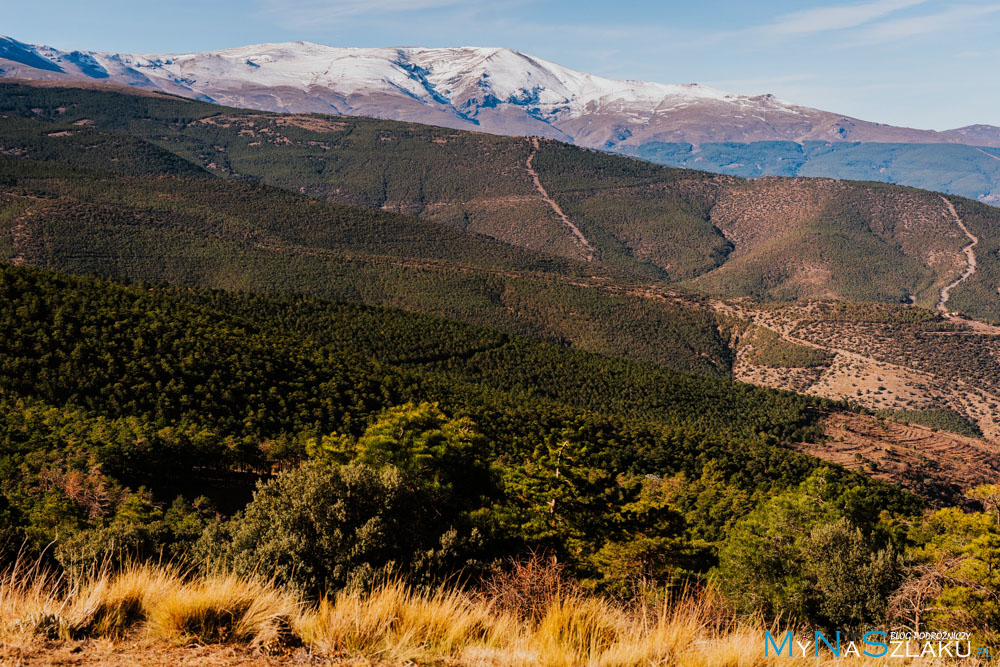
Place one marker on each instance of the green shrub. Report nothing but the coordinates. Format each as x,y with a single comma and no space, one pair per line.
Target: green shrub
324,527
818,554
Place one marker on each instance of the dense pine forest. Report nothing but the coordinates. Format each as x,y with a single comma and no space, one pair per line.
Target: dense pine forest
158,384
223,344
148,420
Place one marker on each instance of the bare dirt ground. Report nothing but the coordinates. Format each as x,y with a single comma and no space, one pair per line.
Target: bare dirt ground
867,370
101,653
577,234
21,231
970,255
934,464
20,239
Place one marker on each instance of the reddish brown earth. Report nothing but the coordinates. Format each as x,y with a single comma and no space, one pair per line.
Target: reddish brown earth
124,654
934,464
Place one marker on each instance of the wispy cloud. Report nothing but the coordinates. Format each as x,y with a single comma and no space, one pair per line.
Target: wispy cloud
902,28
309,13
823,19
807,22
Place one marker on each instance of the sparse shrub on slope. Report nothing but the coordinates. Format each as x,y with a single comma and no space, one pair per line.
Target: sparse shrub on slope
768,348
324,527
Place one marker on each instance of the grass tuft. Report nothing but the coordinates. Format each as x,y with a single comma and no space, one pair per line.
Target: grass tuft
397,624
393,624
112,604
223,609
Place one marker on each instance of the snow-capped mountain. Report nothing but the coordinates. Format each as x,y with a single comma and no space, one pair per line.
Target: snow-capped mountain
487,89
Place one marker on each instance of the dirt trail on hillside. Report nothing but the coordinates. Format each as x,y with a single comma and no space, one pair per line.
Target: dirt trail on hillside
942,305
988,154
20,239
20,233
853,371
577,234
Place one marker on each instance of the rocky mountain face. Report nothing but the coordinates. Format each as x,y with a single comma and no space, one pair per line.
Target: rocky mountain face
495,90
502,91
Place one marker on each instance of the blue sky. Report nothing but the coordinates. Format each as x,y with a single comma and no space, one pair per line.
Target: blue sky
922,63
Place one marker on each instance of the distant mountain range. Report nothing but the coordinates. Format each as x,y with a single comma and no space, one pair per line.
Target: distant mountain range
503,91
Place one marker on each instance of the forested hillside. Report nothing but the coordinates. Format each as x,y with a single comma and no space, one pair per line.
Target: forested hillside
154,188
785,239
965,170
116,395
136,420
229,234
337,349
122,185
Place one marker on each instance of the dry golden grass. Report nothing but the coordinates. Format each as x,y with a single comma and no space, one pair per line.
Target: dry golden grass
30,605
144,607
397,624
222,609
111,605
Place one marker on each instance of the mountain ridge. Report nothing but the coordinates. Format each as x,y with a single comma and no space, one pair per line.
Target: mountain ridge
492,89
502,91
772,238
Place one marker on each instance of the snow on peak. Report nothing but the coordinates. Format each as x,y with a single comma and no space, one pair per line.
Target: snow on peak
492,89
462,76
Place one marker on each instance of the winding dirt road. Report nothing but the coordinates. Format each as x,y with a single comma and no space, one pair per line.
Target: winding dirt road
578,236
942,305
988,154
